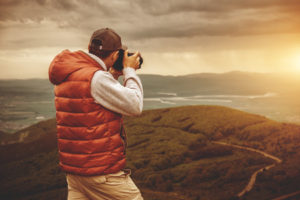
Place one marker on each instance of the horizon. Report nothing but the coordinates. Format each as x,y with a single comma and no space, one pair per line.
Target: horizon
174,38
293,75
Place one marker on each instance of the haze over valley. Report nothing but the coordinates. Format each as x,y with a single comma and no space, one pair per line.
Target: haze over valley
25,102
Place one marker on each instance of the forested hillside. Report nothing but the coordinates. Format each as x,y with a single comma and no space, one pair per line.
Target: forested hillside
172,155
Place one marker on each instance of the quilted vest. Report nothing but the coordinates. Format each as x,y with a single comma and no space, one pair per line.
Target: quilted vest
90,137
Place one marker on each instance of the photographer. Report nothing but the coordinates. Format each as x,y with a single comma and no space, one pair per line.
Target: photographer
90,103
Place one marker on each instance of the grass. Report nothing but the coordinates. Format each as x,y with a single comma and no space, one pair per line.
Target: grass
171,156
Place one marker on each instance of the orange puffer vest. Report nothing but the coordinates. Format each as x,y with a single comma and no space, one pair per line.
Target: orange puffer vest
90,137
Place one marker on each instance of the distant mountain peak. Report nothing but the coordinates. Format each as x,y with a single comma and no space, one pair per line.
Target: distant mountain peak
234,72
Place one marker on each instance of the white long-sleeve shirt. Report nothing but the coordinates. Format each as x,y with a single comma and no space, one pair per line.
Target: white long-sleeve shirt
125,99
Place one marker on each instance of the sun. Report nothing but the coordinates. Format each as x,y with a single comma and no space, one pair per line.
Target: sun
297,62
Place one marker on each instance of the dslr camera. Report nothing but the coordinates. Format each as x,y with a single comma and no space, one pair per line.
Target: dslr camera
118,65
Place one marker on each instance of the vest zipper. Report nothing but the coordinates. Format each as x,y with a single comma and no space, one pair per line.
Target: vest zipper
123,136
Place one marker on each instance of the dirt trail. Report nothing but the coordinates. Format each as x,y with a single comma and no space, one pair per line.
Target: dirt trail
287,196
253,177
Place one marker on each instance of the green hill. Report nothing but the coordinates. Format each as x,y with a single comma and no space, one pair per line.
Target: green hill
172,156
35,139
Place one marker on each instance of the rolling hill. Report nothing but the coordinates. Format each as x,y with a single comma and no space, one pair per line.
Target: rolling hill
173,155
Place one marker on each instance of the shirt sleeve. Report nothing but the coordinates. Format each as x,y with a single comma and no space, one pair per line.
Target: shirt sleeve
125,99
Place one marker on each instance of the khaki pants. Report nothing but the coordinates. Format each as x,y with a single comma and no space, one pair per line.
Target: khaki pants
117,186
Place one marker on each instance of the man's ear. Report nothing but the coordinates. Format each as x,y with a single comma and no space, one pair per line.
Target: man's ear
115,55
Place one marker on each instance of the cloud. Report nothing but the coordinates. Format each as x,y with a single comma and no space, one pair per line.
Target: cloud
174,18
213,6
143,19
211,28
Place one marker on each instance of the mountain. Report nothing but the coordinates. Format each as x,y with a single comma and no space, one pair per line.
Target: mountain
174,154
234,82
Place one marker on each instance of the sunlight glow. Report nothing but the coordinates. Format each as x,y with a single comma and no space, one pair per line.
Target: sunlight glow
296,61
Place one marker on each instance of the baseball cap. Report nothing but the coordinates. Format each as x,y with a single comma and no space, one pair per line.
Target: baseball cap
107,40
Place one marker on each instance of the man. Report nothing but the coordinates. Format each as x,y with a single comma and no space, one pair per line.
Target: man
90,103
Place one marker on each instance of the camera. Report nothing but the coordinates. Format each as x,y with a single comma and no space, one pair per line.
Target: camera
118,65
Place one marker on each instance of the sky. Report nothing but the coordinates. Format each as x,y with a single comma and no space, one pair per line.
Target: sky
175,37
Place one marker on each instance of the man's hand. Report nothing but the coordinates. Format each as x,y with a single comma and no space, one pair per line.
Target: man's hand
131,61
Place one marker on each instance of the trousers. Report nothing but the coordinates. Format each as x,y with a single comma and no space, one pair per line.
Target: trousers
115,186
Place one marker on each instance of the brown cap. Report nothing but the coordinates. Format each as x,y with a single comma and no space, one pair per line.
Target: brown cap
107,40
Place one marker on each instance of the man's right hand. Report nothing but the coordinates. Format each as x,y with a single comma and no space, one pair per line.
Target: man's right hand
131,61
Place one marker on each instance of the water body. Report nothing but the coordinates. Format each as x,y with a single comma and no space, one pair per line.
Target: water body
19,112
270,104
26,102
